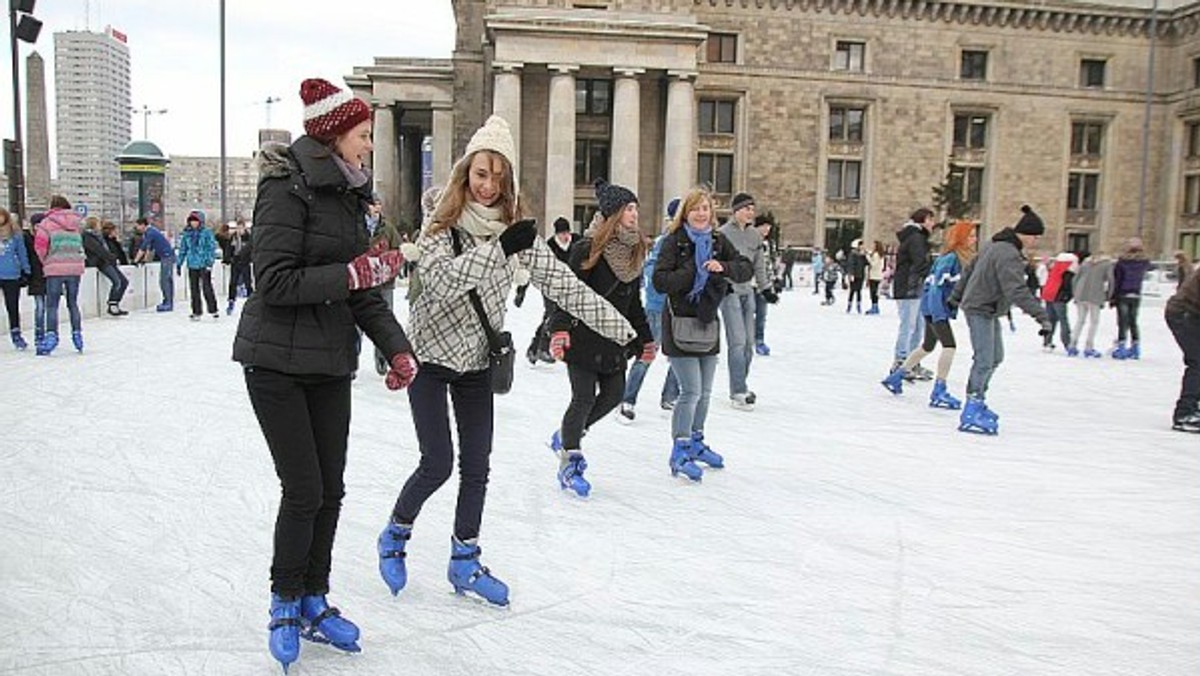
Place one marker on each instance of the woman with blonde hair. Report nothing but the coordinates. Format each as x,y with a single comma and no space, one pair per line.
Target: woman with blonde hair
695,267
959,246
470,251
14,274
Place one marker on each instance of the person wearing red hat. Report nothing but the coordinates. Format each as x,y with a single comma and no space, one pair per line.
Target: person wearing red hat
316,283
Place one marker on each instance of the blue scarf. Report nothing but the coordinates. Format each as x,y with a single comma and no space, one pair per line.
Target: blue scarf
703,242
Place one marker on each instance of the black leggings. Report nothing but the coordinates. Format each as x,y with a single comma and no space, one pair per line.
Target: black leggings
586,405
12,301
937,332
873,285
306,421
471,395
855,290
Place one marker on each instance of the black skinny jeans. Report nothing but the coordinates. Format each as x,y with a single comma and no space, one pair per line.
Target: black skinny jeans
471,395
587,406
856,285
873,286
1127,312
1186,329
202,280
239,273
12,301
306,421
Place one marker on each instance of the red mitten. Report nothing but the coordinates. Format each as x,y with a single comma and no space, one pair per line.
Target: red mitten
560,342
648,351
372,269
402,372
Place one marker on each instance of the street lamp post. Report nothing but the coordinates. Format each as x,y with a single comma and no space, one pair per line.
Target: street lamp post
24,27
146,113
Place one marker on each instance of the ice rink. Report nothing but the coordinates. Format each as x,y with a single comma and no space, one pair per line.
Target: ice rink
852,532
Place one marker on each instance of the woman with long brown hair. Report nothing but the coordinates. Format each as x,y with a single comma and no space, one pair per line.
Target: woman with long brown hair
959,247
609,260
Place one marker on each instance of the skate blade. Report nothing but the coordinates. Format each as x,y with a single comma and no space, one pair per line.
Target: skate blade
321,639
944,405
975,429
478,599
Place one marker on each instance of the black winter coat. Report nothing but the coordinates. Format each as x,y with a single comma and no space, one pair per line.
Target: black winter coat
675,272
589,349
912,262
95,251
115,248
37,278
308,224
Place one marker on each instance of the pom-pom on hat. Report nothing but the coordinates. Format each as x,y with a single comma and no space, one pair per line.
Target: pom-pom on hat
741,201
1030,223
561,225
330,112
612,197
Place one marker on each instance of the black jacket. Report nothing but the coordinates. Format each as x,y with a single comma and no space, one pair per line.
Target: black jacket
302,317
589,349
912,262
115,248
95,251
37,278
675,272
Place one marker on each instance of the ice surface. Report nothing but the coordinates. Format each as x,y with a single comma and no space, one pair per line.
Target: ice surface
853,532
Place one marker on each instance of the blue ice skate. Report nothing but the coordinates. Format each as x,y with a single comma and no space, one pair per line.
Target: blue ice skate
322,624
47,344
77,340
682,462
555,442
762,350
894,382
467,575
1134,351
975,419
1120,352
18,340
570,473
702,452
392,567
940,398
1072,351
284,640
1093,354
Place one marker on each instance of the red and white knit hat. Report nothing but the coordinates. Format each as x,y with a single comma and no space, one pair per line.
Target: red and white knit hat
330,112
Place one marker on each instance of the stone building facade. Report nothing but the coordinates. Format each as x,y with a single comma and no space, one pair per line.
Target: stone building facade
839,115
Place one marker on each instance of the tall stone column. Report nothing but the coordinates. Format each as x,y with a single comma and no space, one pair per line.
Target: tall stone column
385,161
679,161
443,143
560,145
626,128
506,100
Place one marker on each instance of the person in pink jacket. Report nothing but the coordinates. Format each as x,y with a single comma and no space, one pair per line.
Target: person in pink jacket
59,245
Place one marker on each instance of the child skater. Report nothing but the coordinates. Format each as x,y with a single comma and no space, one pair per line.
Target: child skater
935,306
695,268
473,245
609,260
14,273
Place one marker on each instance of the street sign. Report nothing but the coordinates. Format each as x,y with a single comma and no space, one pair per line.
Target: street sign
81,209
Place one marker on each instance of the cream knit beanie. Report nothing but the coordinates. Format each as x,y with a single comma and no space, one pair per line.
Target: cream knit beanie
496,136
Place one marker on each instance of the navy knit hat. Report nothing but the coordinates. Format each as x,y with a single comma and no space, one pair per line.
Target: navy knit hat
672,207
612,197
741,200
561,225
1030,223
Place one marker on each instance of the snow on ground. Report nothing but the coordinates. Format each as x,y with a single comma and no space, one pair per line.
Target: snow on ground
853,532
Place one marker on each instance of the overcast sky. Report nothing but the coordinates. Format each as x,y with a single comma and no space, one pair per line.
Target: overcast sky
271,45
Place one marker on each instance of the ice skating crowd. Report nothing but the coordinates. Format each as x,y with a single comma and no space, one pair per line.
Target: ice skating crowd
318,272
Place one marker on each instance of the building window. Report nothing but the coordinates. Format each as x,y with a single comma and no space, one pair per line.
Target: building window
840,232
1189,242
1193,139
849,56
842,179
1091,73
1191,195
716,117
593,97
1079,242
591,161
722,48
970,131
715,170
1082,190
974,65
972,186
1196,72
1086,138
846,124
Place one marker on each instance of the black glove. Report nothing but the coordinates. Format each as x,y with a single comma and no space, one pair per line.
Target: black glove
770,296
520,297
23,281
518,237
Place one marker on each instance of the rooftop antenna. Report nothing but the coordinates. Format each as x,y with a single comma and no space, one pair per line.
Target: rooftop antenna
267,103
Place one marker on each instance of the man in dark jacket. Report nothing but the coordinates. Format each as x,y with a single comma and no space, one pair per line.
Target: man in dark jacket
912,266
1183,318
560,243
97,255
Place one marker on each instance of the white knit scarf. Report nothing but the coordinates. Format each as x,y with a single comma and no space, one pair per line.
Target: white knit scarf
481,222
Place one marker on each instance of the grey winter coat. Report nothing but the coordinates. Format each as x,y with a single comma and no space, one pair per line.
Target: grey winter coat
748,243
308,224
995,281
1093,281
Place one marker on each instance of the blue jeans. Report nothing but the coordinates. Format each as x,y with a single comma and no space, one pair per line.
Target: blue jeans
987,343
56,287
166,280
695,376
119,283
912,327
737,311
39,315
637,370
760,318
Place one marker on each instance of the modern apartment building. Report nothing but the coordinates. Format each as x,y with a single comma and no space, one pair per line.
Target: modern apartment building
92,112
195,183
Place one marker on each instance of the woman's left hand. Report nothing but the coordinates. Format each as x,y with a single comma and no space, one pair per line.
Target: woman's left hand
714,266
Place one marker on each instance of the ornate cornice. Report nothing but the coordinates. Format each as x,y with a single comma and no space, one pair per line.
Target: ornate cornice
1061,18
